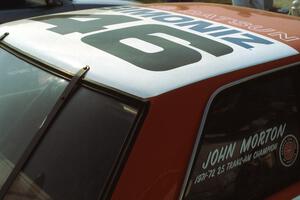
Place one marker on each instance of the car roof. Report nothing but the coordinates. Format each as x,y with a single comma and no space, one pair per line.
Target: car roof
213,40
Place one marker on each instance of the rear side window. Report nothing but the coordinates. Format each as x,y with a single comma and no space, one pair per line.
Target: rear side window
77,155
250,141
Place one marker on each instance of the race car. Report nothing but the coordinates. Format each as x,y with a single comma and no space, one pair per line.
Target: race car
160,101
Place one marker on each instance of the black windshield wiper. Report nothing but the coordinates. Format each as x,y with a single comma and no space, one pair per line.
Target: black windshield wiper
2,37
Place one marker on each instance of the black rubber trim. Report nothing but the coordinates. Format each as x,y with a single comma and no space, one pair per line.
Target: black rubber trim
67,93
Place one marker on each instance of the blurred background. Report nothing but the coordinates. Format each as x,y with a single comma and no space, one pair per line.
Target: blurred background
19,9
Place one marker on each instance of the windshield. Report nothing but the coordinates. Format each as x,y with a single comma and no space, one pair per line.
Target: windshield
14,4
78,152
27,95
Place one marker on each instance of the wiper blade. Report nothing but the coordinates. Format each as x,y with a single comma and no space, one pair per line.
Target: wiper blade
2,37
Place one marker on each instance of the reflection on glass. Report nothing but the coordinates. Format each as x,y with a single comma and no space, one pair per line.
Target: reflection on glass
27,94
76,156
25,188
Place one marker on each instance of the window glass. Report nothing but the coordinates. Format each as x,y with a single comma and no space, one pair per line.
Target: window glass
17,4
250,142
77,154
27,94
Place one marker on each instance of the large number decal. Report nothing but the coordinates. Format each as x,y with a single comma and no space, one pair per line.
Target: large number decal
169,54
152,47
66,24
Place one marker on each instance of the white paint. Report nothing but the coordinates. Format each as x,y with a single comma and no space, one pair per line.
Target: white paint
83,19
219,155
141,45
68,53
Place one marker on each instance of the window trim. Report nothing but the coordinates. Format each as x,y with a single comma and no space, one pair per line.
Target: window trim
205,115
139,103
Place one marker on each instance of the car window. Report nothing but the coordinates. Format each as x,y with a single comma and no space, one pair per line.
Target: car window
27,94
77,155
250,141
16,4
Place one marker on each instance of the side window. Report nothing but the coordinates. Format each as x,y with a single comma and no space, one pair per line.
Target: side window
250,141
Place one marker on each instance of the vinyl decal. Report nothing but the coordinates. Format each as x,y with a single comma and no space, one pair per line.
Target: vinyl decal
288,151
187,40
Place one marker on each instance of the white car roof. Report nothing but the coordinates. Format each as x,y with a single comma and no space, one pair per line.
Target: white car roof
70,51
